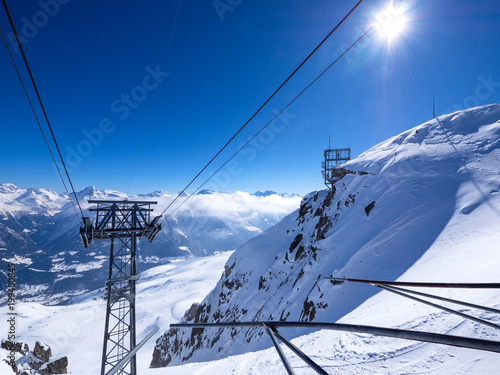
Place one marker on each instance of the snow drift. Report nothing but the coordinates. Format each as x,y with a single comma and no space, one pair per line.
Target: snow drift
421,206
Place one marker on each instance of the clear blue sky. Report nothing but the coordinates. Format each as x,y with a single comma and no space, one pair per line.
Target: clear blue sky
222,65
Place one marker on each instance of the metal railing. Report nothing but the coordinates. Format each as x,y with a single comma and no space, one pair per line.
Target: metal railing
395,287
271,327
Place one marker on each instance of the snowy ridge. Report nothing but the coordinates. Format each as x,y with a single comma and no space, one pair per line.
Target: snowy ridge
423,206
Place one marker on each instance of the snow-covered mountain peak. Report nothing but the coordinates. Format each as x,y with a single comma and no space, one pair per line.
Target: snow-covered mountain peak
155,194
413,207
265,193
269,193
8,188
205,192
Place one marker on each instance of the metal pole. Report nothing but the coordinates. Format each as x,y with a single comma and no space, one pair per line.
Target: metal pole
339,280
133,272
433,106
108,308
463,303
300,354
124,360
436,338
451,311
280,351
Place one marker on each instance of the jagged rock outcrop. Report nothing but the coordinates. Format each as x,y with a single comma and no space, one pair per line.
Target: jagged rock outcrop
36,362
17,347
42,351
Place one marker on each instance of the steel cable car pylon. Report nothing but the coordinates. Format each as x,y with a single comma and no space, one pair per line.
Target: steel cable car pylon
122,222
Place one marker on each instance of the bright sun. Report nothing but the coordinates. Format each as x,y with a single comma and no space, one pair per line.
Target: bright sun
390,23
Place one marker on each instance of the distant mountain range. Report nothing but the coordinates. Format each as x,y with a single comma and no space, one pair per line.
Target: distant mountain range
39,232
258,193
268,193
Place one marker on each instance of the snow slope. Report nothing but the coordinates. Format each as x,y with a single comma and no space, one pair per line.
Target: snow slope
166,291
435,217
76,330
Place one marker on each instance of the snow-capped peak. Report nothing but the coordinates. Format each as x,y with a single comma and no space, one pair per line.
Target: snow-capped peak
422,206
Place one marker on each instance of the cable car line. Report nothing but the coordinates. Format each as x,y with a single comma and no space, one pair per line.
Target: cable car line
154,96
37,121
40,101
274,118
263,105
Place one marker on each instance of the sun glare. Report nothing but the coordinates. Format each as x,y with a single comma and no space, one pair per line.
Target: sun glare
390,23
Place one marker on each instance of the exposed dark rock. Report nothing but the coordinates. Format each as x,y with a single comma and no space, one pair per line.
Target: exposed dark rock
309,311
262,283
42,351
340,173
18,347
329,197
324,224
201,314
227,270
295,242
299,276
300,253
191,313
165,345
35,362
303,210
58,366
350,199
369,208
284,317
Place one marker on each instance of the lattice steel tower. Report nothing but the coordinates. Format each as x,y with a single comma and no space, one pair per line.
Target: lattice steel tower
333,158
122,222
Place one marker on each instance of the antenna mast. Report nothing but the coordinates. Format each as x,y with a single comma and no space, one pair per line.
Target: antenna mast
433,106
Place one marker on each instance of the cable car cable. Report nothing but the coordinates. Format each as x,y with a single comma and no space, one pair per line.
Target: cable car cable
274,118
263,105
40,101
153,99
38,121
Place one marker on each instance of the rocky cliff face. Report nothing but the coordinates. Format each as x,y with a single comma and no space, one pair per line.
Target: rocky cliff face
272,277
387,209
